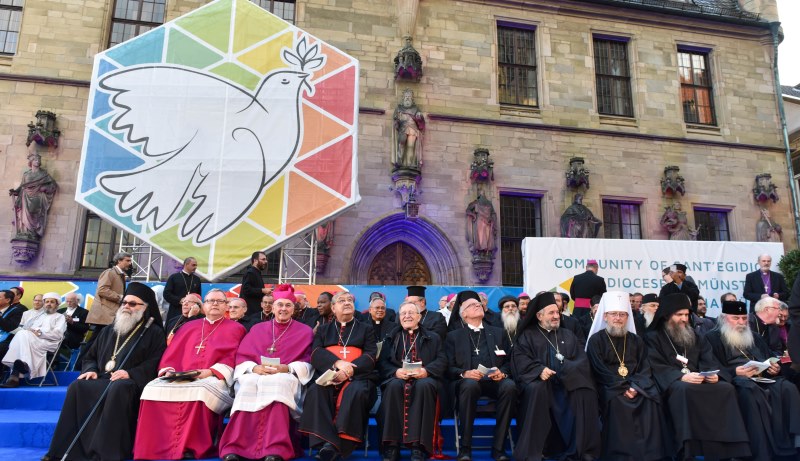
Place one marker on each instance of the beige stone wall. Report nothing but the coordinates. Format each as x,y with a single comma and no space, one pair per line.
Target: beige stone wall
457,40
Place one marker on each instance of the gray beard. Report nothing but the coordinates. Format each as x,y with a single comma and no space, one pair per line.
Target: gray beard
735,339
617,332
681,336
648,317
510,321
124,322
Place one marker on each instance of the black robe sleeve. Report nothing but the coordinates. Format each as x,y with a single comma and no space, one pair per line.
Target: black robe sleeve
525,363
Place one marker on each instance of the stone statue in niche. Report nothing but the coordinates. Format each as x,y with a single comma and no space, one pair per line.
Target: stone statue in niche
676,223
481,226
32,200
409,125
767,230
578,221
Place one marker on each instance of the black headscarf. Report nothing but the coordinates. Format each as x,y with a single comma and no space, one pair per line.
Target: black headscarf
146,294
538,303
669,305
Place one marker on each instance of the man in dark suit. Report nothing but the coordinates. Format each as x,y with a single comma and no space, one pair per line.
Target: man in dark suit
764,282
252,289
584,287
675,278
431,320
179,285
75,316
469,349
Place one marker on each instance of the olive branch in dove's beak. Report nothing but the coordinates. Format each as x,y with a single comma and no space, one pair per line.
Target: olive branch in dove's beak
306,58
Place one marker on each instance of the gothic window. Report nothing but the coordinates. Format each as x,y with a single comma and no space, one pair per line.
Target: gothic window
135,17
283,9
520,217
621,220
613,78
10,19
713,225
697,95
516,58
101,242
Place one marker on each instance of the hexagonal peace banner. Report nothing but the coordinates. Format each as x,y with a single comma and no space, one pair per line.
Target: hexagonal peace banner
223,132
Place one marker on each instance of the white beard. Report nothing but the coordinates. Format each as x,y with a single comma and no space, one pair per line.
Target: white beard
510,321
648,317
734,338
617,332
124,322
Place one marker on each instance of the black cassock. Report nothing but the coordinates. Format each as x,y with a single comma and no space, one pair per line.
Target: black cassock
339,414
408,407
109,435
705,417
771,411
567,400
633,429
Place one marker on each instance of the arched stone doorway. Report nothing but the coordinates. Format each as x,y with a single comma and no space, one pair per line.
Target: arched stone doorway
424,237
399,264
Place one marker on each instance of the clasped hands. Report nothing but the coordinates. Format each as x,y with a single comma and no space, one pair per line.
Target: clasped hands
409,374
345,371
119,374
697,378
477,375
271,369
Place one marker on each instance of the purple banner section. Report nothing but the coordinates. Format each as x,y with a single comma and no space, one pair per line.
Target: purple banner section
394,294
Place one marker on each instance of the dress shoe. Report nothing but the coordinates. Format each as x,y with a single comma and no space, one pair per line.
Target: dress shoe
231,457
500,455
391,453
188,455
327,453
465,454
273,458
46,458
12,381
418,455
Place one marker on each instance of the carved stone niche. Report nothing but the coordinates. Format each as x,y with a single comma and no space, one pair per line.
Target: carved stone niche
672,183
577,174
764,189
43,132
481,170
408,62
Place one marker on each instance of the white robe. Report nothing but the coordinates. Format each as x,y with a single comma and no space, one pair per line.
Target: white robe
32,349
255,392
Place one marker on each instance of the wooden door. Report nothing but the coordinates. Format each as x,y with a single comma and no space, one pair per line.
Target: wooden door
399,264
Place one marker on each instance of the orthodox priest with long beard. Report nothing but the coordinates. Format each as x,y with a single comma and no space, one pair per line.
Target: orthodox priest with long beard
702,408
633,423
770,407
109,434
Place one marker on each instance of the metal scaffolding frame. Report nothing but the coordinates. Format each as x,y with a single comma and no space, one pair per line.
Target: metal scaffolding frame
147,261
299,260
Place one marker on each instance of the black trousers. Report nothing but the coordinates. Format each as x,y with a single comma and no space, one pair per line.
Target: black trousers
468,391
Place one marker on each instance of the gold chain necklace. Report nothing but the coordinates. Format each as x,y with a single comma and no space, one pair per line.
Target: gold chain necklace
205,338
622,370
111,364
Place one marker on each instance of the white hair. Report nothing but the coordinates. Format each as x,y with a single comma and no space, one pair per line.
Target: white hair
763,303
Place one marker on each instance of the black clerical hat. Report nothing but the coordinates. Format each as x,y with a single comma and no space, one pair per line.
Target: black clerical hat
650,298
504,300
734,308
668,305
542,300
455,318
416,290
146,294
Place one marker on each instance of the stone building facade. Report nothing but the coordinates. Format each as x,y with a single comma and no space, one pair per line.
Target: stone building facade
603,83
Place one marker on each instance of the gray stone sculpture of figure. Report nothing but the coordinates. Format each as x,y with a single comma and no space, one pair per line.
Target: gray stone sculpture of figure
767,230
32,200
409,125
578,221
481,226
676,223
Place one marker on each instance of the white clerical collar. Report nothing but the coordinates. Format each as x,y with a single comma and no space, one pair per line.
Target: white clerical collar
186,273
213,321
377,322
478,328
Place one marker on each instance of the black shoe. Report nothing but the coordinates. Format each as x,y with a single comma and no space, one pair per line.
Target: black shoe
46,458
500,455
418,455
327,453
391,453
272,458
231,457
465,454
188,455
11,382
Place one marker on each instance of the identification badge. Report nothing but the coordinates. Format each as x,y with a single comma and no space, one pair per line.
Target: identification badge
499,352
682,359
76,319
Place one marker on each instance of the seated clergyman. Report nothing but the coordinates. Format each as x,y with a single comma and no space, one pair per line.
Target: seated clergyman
122,360
770,407
412,367
337,409
40,332
701,406
558,393
629,399
272,366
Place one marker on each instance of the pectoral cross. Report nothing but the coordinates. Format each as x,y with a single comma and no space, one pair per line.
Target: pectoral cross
344,352
477,351
198,347
271,349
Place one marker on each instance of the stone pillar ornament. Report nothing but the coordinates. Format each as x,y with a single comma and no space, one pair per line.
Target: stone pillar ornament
44,132
672,182
31,203
577,174
408,62
764,189
482,236
324,238
481,170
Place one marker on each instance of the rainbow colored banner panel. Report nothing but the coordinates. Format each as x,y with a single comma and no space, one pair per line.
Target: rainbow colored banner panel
223,132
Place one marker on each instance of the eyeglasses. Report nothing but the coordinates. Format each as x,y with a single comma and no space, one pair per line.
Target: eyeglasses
617,314
130,304
217,301
470,306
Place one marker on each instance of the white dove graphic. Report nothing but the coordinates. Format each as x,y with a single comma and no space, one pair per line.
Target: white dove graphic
210,146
